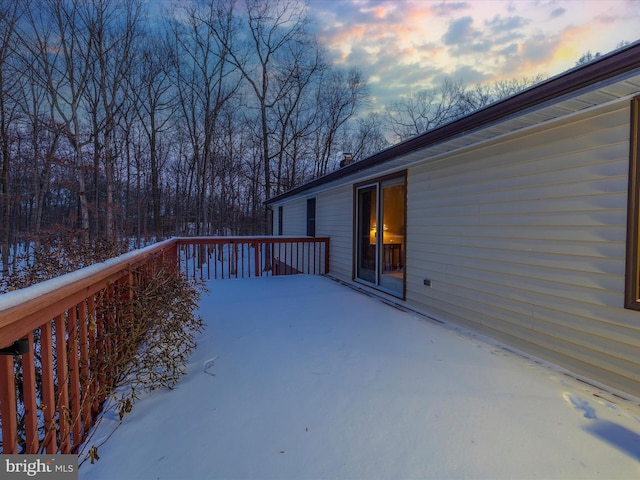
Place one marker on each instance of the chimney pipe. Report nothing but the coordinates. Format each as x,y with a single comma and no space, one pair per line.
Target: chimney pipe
348,159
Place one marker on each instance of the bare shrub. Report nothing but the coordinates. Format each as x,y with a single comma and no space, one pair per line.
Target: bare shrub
59,251
162,332
157,333
150,326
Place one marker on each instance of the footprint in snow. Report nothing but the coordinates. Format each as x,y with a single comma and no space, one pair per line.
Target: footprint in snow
581,404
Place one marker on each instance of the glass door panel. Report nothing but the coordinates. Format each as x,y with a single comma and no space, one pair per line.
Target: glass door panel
380,235
366,253
392,253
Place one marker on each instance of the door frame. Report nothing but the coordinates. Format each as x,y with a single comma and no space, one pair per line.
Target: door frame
378,184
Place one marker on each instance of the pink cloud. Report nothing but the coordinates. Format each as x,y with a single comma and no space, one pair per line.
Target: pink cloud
412,43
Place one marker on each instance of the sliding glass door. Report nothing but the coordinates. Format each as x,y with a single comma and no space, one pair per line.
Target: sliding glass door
380,234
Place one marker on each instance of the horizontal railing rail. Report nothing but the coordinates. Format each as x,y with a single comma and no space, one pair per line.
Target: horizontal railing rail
57,337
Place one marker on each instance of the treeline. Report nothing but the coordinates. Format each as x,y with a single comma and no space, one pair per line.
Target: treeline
118,122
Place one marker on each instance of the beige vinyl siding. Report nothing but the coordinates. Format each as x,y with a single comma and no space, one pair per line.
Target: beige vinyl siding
294,218
334,218
524,240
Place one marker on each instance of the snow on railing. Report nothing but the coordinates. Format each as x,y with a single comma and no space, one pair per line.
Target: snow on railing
63,332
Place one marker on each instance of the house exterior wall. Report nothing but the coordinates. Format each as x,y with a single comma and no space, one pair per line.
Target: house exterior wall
524,240
334,218
294,218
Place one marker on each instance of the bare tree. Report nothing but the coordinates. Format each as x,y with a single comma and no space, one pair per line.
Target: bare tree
365,137
155,108
272,26
587,58
60,45
114,30
484,94
294,114
505,88
10,12
121,128
423,110
341,94
44,137
205,81
427,109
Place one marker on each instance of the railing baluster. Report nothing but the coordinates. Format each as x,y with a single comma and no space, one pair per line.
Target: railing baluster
8,410
85,379
246,253
100,353
48,388
201,252
63,384
235,258
289,268
215,260
74,376
195,270
226,260
30,403
108,337
184,252
94,358
256,258
315,249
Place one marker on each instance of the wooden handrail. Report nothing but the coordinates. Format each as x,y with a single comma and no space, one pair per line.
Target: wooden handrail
84,307
55,296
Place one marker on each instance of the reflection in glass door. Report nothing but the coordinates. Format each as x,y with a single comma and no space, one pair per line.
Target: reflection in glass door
392,252
380,247
366,241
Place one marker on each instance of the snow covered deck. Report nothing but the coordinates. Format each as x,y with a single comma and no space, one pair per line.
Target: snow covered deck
300,377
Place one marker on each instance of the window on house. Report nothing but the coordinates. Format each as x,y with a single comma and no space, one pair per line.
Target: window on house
280,215
311,217
380,245
632,282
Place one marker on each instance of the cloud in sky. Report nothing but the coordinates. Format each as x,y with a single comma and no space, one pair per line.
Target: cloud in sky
448,8
405,45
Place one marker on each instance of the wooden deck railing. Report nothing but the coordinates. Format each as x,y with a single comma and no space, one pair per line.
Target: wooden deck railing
51,393
241,257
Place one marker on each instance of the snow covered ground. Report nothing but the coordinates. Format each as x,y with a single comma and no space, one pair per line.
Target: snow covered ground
302,378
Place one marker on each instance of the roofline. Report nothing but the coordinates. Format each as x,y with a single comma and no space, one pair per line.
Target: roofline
608,66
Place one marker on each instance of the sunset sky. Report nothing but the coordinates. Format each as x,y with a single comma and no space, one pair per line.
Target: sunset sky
412,44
